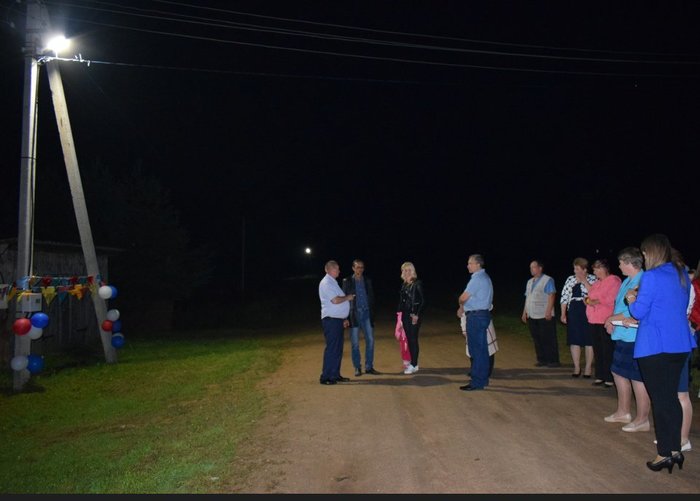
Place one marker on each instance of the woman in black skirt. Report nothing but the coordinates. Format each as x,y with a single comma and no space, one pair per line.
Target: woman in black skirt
573,314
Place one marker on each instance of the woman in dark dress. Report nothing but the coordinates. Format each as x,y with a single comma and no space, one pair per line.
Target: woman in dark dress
573,314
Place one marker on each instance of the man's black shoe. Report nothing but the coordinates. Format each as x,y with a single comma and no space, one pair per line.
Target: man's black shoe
372,371
342,379
358,372
554,364
469,387
540,364
328,381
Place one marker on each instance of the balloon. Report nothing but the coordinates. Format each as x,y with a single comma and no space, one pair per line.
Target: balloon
118,340
35,332
21,326
105,292
19,363
107,325
113,315
114,291
117,326
35,363
40,320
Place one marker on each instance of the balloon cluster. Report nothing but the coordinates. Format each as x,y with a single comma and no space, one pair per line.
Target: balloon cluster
32,327
33,363
107,292
112,323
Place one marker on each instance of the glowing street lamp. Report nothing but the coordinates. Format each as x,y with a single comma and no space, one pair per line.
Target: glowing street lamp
307,251
57,44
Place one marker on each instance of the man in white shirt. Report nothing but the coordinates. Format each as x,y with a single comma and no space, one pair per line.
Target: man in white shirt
335,308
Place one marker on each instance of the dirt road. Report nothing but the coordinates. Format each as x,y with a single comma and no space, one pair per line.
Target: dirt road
534,430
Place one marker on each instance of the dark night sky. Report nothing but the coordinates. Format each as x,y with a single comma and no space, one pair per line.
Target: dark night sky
483,150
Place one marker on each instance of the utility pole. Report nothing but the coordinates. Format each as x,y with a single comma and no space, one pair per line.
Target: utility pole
25,230
76,188
37,26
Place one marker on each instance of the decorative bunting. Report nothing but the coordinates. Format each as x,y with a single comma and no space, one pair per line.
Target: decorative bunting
50,287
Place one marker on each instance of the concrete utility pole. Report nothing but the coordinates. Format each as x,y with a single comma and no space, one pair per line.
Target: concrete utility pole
25,231
37,26
79,206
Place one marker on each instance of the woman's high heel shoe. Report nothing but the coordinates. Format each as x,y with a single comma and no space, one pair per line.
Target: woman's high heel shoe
678,458
662,463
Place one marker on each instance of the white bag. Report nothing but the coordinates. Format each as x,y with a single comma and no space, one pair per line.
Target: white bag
490,336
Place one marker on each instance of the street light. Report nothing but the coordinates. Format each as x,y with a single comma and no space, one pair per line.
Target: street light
309,260
57,44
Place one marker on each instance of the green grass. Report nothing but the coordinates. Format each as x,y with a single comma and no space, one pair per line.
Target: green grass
167,418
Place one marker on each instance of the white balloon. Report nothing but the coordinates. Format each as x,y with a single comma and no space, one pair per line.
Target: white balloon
19,363
113,315
105,292
35,332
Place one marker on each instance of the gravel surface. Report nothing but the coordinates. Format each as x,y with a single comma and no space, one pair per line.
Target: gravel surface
533,430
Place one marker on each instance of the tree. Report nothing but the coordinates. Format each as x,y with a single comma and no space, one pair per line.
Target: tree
155,264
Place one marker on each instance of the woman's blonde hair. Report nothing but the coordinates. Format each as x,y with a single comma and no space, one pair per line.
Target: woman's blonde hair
412,269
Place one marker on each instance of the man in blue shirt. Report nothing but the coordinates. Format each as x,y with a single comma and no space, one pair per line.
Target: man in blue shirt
476,302
361,316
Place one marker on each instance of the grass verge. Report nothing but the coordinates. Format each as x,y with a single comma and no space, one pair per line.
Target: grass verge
168,418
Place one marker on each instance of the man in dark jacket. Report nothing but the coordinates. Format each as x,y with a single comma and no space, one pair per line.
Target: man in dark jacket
361,316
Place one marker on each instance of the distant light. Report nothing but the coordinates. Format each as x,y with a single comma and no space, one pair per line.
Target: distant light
58,44
307,250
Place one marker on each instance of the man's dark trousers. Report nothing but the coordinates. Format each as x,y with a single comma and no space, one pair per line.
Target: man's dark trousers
333,353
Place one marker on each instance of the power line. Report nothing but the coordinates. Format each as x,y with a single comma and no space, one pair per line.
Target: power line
203,21
380,58
437,37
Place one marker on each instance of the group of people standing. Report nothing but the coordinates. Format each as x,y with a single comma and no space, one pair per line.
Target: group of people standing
353,306
637,334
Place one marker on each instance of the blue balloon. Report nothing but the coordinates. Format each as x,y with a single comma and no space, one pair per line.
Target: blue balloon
35,363
40,320
114,291
117,326
118,340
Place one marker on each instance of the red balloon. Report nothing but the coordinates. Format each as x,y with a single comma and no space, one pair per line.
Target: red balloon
107,325
22,326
